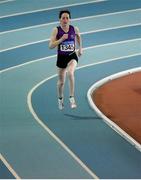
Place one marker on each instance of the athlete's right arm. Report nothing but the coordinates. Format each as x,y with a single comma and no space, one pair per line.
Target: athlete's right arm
53,41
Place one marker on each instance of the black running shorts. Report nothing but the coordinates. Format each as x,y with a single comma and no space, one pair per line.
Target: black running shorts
63,60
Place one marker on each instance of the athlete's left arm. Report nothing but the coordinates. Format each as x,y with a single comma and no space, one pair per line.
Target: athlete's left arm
79,41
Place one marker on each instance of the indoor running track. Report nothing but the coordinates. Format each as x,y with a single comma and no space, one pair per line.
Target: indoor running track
36,139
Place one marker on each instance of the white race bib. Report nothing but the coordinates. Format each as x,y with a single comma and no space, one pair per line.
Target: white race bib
67,46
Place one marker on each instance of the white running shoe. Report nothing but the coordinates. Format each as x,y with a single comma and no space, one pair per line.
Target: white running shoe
72,103
60,104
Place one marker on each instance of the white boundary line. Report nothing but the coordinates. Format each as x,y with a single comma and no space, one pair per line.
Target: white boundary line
6,1
9,167
108,121
51,8
53,56
29,103
29,97
87,32
72,20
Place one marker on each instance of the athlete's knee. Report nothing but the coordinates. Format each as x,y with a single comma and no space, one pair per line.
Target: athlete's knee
71,73
61,83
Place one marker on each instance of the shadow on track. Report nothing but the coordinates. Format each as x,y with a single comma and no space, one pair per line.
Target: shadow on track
75,117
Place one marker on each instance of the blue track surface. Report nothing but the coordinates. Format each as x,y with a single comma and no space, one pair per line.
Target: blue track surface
4,172
85,133
21,55
27,144
32,19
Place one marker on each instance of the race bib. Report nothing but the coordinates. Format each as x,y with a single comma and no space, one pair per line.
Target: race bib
67,46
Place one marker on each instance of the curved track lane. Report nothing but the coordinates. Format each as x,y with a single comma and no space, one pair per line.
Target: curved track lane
50,158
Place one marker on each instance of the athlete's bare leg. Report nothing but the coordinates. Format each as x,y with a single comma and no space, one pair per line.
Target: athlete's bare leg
60,87
61,81
71,68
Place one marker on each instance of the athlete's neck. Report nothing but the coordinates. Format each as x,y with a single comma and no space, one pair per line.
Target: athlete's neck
65,27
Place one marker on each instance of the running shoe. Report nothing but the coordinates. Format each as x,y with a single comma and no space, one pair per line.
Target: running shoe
72,102
60,104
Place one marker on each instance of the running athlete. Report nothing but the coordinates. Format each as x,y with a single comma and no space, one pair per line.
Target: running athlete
64,37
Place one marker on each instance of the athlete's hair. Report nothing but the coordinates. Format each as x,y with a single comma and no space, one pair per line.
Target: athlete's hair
64,11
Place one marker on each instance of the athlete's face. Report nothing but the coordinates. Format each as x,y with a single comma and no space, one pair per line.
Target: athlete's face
65,19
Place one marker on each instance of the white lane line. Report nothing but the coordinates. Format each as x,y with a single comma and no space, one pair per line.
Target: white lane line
82,33
9,167
52,8
2,2
24,64
108,121
29,102
51,133
90,47
111,28
73,20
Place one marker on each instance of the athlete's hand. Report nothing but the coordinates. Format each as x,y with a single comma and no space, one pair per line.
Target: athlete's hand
64,37
80,52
